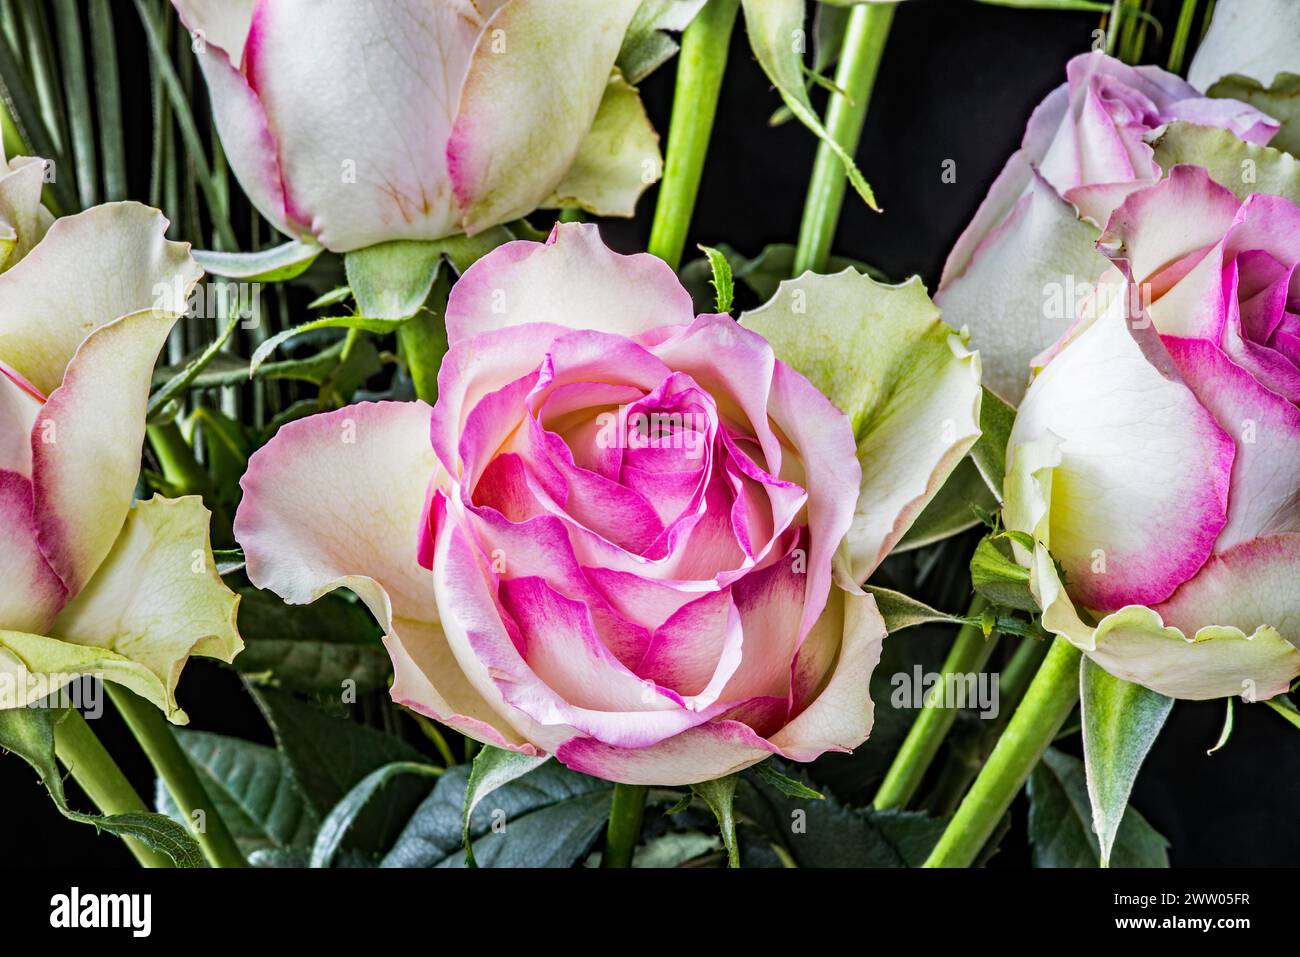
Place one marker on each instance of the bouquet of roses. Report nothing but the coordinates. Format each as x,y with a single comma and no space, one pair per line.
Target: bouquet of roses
531,552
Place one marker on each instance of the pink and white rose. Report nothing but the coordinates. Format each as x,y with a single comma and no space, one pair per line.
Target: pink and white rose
1158,459
353,124
1085,149
93,584
628,535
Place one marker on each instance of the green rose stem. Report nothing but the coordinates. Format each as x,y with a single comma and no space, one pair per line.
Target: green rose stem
700,65
177,773
969,652
176,460
961,768
864,42
92,767
1048,702
625,812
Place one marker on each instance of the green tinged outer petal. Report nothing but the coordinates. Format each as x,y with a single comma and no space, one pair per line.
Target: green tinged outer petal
1228,160
908,384
33,666
1255,38
1134,643
618,159
23,220
89,270
1281,101
156,600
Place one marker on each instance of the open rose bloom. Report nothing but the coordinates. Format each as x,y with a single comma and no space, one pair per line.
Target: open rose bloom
627,535
92,584
353,124
1084,150
1157,458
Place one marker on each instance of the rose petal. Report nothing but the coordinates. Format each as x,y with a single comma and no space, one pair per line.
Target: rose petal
1248,586
89,270
221,28
87,440
532,91
701,754
840,717
33,593
572,280
1049,250
1266,428
18,410
398,64
1141,491
908,386
157,598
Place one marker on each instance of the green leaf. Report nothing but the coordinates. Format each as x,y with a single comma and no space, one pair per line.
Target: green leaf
253,791
276,264
391,280
108,100
212,187
646,45
720,796
364,323
341,819
990,450
762,274
723,285
314,649
29,733
327,756
185,378
72,57
1060,822
228,447
423,342
674,849
549,818
827,833
332,298
1242,167
997,576
227,370
772,26
1283,705
1120,723
23,106
786,785
493,768
901,611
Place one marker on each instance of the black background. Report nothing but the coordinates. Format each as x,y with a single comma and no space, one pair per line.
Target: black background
958,82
